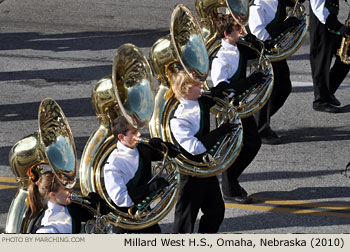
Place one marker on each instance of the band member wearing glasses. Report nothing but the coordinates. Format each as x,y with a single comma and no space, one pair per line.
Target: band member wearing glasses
128,169
229,69
267,21
326,33
49,203
190,128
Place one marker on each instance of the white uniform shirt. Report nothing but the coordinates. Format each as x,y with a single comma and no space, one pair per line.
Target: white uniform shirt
261,13
120,168
186,125
225,64
319,9
56,220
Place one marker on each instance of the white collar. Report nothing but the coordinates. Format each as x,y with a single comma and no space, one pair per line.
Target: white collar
189,103
55,207
123,148
228,46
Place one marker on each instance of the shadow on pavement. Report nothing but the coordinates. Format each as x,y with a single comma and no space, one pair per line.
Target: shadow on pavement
273,175
60,76
316,134
309,193
78,107
270,220
94,41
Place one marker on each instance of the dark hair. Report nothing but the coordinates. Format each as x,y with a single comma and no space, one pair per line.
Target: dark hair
225,23
38,192
119,126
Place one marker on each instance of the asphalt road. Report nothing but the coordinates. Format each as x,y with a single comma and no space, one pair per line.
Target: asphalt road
61,48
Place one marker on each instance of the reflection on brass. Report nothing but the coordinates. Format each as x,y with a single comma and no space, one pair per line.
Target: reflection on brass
344,51
133,85
99,224
208,10
290,41
185,48
155,209
128,92
188,43
227,150
255,98
52,145
58,142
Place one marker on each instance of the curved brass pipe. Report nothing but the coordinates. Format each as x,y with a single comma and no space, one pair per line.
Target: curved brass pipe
128,92
290,41
51,145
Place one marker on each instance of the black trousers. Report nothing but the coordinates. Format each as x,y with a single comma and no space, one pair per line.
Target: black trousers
323,46
282,87
199,193
251,146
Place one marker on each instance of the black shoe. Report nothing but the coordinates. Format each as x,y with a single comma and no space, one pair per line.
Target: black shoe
271,139
238,199
268,136
334,101
243,192
328,108
273,134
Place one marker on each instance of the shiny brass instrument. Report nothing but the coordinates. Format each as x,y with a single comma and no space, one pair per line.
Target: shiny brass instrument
171,52
100,224
208,10
290,41
129,92
52,145
344,51
185,48
255,98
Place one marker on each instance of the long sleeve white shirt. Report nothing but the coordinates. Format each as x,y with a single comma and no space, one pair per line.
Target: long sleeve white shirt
119,169
56,220
261,13
185,124
319,9
225,64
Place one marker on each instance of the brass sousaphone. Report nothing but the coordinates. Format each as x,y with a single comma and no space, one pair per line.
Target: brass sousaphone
255,98
208,10
53,146
344,51
184,48
288,42
129,92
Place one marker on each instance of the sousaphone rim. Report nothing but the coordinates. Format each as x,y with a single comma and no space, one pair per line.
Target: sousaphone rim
52,119
180,10
120,88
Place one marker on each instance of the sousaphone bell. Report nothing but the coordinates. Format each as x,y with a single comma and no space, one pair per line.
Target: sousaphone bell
184,48
53,146
253,99
128,92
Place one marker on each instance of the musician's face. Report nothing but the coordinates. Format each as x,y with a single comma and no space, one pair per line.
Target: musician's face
62,196
194,92
130,137
234,36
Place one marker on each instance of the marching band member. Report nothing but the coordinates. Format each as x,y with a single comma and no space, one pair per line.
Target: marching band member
229,69
326,33
266,22
128,169
51,202
190,128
